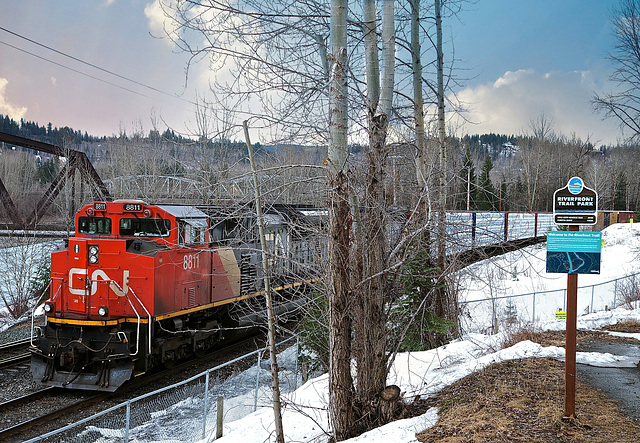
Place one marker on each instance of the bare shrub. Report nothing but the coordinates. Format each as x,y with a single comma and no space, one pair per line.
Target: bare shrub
629,292
515,336
24,265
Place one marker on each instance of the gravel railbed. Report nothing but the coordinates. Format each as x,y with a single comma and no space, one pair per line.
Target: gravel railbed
21,413
20,330
16,382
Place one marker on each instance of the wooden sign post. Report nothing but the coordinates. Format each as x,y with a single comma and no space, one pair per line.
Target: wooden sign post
570,345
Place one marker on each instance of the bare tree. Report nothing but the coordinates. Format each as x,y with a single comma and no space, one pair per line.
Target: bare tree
371,287
271,319
624,104
340,380
24,263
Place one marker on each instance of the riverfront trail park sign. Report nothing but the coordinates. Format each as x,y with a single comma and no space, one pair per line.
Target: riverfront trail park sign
575,204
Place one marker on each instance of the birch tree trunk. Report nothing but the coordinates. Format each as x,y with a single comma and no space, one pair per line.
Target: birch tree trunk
441,308
271,320
340,380
418,101
371,253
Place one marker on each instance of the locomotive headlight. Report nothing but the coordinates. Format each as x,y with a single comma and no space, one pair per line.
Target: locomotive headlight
103,311
48,307
93,254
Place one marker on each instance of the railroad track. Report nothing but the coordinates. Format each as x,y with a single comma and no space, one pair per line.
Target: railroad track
72,402
14,353
33,396
65,402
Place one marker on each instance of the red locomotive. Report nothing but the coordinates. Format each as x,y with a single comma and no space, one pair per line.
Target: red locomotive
140,286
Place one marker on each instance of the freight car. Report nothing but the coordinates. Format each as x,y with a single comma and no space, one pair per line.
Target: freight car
140,286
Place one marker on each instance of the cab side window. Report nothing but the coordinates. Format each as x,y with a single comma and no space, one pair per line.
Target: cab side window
94,225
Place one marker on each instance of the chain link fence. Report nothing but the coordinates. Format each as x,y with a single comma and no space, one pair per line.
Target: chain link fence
188,411
488,315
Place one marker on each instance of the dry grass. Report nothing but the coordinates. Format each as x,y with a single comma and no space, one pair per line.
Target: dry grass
632,326
523,400
551,338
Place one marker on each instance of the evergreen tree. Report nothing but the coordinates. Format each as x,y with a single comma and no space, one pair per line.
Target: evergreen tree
468,186
620,197
487,196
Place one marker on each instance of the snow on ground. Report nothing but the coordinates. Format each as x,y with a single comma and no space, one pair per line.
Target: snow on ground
523,271
305,417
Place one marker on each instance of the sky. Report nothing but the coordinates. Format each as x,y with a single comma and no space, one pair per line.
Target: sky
516,60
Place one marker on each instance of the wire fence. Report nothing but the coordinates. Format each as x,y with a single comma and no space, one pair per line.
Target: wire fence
488,315
188,411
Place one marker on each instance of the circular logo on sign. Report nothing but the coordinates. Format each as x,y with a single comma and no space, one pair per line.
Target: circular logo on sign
575,185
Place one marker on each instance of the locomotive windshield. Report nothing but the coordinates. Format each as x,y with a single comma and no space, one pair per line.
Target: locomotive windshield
94,225
145,227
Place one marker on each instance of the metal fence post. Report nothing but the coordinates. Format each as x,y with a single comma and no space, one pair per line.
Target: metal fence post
534,309
127,419
593,287
206,398
255,402
297,358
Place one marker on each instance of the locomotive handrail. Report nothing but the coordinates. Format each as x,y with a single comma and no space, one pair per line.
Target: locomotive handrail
59,287
33,311
138,332
137,315
126,294
148,315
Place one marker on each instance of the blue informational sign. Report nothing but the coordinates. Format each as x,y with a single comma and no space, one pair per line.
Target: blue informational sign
574,252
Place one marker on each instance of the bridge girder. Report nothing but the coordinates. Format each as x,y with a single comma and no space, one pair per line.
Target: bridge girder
76,161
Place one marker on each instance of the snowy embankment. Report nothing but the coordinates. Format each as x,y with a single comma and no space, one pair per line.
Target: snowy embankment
491,291
305,414
20,261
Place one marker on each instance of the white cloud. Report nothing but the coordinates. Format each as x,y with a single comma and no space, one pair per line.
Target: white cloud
6,108
159,23
507,105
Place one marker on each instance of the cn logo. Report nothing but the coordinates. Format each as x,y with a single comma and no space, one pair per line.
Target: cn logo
76,273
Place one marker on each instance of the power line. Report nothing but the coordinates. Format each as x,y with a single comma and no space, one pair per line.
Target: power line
88,64
83,73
